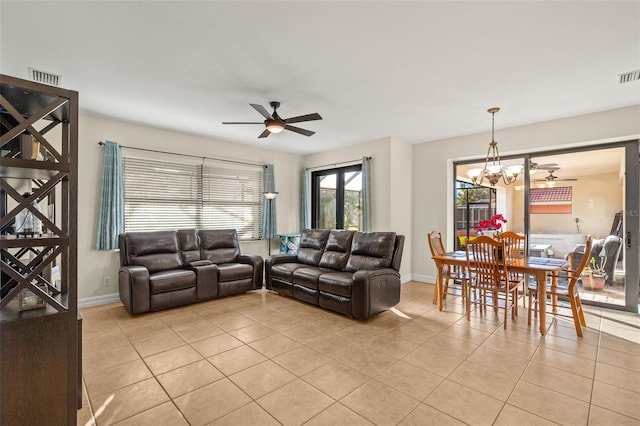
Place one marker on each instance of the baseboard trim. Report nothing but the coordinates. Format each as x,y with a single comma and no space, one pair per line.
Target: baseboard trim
423,278
87,302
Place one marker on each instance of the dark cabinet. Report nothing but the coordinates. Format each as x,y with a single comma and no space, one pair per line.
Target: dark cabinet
39,327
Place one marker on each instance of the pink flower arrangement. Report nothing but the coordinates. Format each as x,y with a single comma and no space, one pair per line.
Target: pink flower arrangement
494,223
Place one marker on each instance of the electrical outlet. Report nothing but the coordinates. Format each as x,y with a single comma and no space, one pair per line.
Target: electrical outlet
107,281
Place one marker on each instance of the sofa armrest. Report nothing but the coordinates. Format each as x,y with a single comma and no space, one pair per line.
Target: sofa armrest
274,260
281,258
258,267
196,263
374,291
133,283
206,279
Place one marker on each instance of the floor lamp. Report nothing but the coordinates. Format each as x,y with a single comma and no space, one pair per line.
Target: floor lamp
270,196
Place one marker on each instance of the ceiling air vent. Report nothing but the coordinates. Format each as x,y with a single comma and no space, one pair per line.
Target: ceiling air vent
44,77
628,77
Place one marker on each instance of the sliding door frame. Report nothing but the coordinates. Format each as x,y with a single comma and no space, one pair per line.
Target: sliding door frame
340,193
631,238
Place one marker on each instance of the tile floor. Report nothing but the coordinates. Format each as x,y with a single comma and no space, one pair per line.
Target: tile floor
264,359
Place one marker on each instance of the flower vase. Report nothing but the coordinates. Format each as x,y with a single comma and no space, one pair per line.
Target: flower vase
489,233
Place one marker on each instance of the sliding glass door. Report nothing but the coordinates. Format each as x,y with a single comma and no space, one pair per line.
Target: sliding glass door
560,199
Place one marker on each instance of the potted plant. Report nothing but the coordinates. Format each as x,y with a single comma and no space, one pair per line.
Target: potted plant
597,275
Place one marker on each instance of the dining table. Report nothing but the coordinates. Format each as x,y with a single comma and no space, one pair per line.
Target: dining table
527,265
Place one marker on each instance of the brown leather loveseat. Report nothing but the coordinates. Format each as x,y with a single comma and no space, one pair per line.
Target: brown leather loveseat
165,269
353,273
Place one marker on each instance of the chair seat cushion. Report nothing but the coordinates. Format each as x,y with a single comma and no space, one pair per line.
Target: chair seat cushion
175,279
339,283
234,271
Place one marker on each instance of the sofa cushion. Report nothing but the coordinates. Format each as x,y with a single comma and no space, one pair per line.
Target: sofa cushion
308,277
284,271
371,250
234,271
156,251
312,243
336,283
189,245
220,245
176,279
336,252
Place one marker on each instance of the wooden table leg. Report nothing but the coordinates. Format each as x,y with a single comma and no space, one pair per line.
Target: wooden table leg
439,266
554,298
541,281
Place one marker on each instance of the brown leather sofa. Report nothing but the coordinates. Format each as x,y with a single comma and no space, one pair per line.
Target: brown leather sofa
165,269
353,273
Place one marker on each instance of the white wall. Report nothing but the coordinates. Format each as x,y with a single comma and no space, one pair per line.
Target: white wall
433,176
410,185
390,185
400,198
94,265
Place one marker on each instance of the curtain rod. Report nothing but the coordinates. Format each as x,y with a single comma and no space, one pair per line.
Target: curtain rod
188,155
359,160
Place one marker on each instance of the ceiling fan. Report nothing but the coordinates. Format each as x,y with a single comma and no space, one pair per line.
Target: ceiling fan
548,166
275,124
553,178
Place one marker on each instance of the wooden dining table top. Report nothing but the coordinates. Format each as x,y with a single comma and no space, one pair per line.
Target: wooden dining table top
523,264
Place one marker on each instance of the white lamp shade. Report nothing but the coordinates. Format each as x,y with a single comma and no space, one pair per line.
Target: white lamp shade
474,173
495,169
514,170
275,127
270,195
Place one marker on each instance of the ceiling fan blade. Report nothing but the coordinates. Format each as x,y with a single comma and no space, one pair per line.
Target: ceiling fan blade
300,118
264,134
567,180
299,130
242,122
546,166
263,112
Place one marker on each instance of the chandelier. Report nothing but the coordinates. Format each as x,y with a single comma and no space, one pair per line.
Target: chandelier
493,170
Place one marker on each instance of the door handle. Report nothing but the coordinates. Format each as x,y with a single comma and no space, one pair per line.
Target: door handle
628,239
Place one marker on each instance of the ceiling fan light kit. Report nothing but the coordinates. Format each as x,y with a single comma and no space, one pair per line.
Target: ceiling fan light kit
275,124
552,179
493,169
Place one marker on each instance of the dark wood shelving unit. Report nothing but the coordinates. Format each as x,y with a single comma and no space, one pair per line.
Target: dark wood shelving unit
39,348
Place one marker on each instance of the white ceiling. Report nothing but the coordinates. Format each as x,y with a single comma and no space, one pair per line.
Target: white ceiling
414,71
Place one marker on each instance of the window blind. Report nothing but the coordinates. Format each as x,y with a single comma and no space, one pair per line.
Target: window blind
163,195
232,198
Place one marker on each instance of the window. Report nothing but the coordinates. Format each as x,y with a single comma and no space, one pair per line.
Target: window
336,198
162,195
473,204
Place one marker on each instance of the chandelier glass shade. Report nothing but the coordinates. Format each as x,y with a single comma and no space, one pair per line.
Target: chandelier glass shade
493,170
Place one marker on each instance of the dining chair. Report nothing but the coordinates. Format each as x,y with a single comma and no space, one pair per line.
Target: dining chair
568,291
515,245
490,283
448,273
